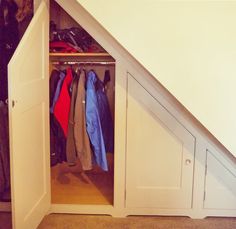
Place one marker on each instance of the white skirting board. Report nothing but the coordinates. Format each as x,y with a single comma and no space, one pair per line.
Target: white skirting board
5,206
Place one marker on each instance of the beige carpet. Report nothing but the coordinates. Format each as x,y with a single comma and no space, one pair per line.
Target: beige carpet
107,222
63,221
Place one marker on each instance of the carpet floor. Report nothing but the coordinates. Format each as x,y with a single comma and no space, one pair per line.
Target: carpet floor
66,221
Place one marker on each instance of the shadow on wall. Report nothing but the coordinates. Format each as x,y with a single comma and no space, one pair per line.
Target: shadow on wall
14,19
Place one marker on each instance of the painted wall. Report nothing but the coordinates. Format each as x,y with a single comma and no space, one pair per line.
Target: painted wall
189,46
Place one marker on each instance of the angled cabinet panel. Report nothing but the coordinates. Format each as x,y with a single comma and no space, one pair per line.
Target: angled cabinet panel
220,183
29,124
160,154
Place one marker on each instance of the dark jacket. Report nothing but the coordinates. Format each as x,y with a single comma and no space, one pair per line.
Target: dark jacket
105,117
57,138
4,150
9,39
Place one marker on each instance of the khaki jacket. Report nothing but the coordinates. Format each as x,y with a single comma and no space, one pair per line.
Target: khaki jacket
82,142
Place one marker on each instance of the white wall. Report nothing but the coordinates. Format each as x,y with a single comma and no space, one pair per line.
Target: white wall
189,46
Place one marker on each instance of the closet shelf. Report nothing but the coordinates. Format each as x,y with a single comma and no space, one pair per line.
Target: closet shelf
81,57
79,54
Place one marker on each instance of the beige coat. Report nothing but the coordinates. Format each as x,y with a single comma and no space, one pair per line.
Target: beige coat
82,142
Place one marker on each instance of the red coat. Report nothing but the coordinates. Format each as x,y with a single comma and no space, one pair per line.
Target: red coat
62,107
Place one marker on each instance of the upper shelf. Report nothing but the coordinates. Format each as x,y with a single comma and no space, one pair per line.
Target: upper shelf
80,57
52,54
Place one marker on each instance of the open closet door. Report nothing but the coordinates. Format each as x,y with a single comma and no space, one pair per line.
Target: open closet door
29,124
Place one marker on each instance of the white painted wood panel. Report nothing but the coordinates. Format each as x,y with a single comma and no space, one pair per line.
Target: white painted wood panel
29,124
220,184
189,46
160,154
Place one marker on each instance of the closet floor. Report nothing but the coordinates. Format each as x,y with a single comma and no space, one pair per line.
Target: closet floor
69,185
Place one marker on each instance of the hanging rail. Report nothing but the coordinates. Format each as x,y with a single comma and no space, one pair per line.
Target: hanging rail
83,54
83,62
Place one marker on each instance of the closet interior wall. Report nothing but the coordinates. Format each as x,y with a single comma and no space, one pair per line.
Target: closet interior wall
70,184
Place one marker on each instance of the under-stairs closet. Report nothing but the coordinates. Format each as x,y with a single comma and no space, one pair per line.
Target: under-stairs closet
161,161
71,184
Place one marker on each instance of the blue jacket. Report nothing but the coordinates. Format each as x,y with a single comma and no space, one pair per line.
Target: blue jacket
105,117
57,92
93,123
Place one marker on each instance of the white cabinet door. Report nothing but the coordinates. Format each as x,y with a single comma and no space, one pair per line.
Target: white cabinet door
29,124
160,154
220,184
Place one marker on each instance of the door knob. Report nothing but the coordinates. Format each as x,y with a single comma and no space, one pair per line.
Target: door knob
187,161
13,103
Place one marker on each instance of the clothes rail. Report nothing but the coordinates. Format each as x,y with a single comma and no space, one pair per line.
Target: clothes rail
82,62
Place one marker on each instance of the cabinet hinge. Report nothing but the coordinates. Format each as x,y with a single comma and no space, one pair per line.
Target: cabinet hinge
204,196
125,195
205,169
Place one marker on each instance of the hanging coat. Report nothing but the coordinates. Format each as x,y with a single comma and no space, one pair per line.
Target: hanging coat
56,93
57,142
71,154
80,133
105,117
4,150
94,128
57,138
9,39
62,107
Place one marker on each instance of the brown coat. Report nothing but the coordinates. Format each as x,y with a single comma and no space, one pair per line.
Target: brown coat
82,142
71,154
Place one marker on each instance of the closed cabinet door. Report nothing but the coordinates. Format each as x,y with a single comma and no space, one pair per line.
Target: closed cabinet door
29,124
160,154
220,182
